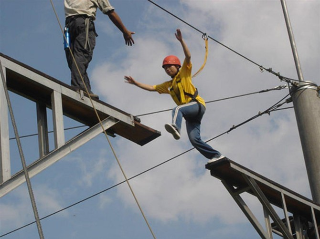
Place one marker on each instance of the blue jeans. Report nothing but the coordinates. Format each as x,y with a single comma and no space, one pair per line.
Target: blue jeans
193,116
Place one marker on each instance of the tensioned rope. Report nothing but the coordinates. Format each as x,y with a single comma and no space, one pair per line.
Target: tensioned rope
126,179
226,98
273,108
104,131
203,33
23,161
267,111
161,111
51,131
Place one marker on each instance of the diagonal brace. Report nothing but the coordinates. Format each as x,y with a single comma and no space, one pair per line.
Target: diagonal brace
245,209
56,155
266,204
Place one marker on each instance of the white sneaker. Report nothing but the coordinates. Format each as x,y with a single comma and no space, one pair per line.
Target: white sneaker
216,159
172,130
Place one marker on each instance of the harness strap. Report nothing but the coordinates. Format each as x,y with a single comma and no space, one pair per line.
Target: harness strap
194,96
87,21
87,24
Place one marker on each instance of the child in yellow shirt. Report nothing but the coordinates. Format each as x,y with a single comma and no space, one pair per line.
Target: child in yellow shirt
190,105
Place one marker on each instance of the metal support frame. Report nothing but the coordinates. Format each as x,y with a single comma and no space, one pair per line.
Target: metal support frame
298,226
315,223
43,136
5,167
268,207
56,155
246,210
267,223
300,214
49,93
57,114
285,229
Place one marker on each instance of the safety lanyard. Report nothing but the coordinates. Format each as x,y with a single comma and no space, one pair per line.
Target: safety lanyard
204,36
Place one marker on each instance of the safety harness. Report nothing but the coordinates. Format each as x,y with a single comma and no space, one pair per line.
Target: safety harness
180,99
87,21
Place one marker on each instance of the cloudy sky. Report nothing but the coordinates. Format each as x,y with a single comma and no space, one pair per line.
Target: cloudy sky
179,198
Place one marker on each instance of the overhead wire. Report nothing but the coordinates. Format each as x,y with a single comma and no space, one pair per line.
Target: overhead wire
49,132
104,130
222,99
165,110
232,128
267,111
273,108
282,78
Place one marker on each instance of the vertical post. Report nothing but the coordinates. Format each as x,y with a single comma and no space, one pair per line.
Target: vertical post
268,223
292,41
306,104
43,137
57,113
5,167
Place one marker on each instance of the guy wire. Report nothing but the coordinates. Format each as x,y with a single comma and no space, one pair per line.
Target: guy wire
104,131
270,109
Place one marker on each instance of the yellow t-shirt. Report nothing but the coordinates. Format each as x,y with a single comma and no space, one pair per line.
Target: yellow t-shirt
186,81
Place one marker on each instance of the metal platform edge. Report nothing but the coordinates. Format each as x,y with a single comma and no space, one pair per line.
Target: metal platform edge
38,87
233,173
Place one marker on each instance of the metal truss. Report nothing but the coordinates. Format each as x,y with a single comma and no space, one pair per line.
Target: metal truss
48,92
301,215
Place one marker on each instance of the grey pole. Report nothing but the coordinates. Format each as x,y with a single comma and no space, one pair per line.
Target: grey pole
292,41
306,102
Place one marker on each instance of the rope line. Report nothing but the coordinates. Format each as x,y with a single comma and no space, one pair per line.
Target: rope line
282,78
23,161
49,132
161,111
267,111
273,108
104,131
226,98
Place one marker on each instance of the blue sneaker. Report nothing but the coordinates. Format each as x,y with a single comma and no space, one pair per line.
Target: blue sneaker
172,130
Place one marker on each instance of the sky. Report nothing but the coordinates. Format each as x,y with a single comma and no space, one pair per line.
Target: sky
179,198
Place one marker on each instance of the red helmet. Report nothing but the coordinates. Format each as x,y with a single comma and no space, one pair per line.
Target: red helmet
171,60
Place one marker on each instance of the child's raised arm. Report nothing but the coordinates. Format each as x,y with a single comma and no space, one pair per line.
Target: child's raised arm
132,81
184,45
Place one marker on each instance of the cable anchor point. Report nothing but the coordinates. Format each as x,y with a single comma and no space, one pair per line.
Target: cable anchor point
204,36
261,69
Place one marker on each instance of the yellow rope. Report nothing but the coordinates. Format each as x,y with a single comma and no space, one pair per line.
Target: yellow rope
104,131
205,57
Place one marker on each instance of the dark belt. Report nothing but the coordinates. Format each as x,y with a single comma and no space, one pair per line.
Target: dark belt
73,17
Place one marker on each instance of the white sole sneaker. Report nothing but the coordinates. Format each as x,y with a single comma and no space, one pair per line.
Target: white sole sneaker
216,159
172,130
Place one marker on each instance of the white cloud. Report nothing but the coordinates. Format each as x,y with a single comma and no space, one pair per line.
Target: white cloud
91,169
18,211
182,189
269,145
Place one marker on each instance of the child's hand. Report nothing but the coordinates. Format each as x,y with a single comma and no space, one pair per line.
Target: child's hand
129,80
178,35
